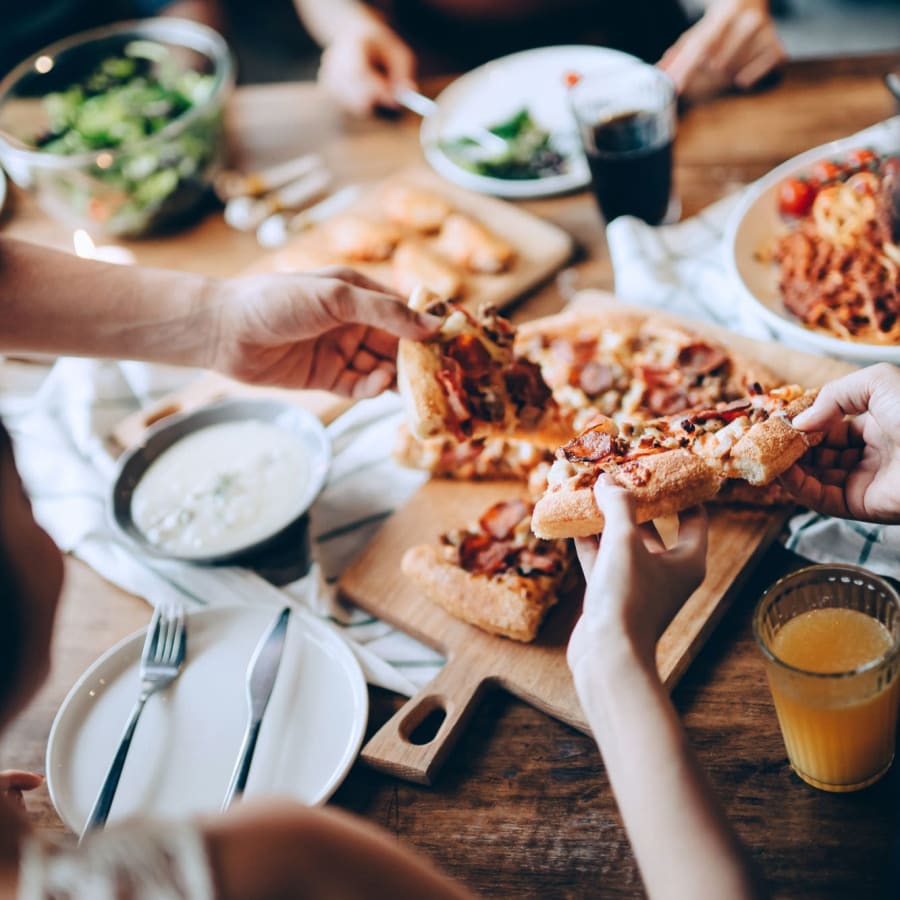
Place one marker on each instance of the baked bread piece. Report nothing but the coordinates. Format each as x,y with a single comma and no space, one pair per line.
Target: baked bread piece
496,574
358,238
414,264
673,463
415,208
466,382
472,246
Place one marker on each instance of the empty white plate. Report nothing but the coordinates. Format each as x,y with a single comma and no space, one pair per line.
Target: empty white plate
189,736
497,90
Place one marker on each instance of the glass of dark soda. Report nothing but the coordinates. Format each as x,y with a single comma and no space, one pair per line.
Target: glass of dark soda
627,127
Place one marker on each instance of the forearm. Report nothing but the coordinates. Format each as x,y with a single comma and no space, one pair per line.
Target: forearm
324,21
679,834
52,302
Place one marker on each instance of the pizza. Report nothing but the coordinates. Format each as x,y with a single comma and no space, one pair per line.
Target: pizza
629,365
674,462
494,574
479,459
467,382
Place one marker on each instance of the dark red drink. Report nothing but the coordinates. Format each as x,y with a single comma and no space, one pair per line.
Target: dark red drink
631,166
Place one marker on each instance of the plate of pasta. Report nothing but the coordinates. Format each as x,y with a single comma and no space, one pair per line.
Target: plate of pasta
813,247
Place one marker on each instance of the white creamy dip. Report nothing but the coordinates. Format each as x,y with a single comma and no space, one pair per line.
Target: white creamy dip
222,488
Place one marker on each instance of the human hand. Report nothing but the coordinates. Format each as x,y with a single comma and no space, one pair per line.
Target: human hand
335,330
634,585
365,65
734,44
14,782
855,472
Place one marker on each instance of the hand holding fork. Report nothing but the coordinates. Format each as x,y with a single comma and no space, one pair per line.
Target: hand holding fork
161,661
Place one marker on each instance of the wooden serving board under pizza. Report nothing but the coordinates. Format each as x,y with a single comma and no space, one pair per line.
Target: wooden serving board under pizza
537,672
540,248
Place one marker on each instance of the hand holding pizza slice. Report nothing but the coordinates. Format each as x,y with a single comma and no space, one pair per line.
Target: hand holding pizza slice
467,382
672,463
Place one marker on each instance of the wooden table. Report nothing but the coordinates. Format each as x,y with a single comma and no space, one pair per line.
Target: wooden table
523,808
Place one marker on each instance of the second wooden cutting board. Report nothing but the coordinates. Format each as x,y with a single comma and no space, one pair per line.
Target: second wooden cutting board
537,673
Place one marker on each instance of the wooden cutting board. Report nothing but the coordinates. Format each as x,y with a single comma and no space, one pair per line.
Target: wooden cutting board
537,673
541,247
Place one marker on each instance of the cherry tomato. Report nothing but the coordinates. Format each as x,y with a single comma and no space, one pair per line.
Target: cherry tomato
795,197
862,157
826,171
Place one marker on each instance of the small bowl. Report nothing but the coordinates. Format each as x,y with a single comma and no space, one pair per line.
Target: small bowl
134,464
143,183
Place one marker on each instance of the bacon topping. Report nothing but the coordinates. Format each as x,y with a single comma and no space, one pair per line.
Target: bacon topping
527,389
470,353
666,401
501,519
727,412
701,358
531,561
481,554
594,445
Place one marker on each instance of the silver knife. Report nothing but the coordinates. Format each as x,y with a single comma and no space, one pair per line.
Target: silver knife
261,674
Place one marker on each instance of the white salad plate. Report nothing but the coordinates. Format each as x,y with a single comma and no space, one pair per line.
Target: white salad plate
754,225
532,79
188,738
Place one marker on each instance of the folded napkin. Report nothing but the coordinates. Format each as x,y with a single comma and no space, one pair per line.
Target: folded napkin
60,418
681,268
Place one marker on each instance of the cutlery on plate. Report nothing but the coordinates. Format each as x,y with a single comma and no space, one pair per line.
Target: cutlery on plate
425,106
274,231
261,674
161,661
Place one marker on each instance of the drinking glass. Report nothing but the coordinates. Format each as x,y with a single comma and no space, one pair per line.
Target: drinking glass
837,698
627,128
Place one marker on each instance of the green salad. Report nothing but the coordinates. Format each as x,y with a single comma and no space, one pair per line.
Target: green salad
120,106
530,151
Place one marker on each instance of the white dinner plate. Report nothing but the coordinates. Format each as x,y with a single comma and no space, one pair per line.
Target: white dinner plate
755,223
495,91
188,738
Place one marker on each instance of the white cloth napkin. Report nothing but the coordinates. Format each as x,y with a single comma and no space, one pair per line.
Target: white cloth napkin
59,430
680,268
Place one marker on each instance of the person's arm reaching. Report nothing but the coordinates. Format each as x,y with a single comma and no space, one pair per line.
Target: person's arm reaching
679,834
364,61
334,329
855,472
734,44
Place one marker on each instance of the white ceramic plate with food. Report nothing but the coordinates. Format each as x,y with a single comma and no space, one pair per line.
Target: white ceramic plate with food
188,738
492,93
751,231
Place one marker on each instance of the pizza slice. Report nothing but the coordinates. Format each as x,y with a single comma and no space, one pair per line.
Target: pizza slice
495,574
479,459
629,365
467,382
673,463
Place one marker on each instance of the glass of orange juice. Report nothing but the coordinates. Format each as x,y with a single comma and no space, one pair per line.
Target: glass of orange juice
831,638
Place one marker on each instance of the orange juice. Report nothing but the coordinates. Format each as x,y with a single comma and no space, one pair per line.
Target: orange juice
838,723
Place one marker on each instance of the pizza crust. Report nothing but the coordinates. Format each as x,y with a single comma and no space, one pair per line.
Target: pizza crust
661,484
424,401
510,604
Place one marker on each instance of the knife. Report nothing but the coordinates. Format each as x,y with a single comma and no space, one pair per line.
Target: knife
261,674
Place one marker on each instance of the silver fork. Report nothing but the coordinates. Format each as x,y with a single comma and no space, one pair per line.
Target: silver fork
161,661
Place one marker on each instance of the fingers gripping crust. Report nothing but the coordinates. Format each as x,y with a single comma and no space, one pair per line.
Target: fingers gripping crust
509,605
424,401
661,484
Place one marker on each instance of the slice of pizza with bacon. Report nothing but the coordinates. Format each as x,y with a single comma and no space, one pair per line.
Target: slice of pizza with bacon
674,462
494,574
467,382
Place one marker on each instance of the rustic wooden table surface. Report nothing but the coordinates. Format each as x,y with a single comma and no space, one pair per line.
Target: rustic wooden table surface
523,807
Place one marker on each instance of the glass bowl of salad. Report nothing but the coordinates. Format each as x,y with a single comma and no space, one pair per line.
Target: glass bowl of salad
119,130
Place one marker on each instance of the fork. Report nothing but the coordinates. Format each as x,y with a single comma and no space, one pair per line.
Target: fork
161,661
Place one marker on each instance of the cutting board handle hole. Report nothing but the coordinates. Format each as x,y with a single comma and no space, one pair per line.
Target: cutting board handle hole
424,722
